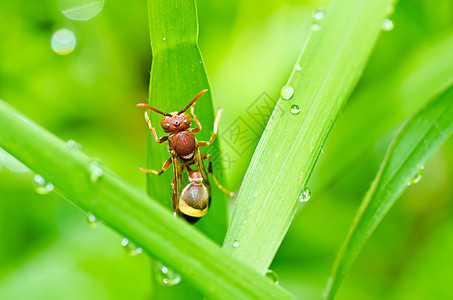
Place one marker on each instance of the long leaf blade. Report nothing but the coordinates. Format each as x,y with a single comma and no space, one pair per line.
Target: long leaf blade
327,71
177,75
416,142
130,212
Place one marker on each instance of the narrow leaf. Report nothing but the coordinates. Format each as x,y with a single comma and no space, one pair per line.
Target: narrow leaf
416,142
324,76
177,75
130,212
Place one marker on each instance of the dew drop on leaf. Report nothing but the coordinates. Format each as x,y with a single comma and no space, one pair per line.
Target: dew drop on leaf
417,176
166,276
92,220
305,195
272,276
287,92
236,244
295,109
95,170
387,25
74,145
41,186
130,247
318,14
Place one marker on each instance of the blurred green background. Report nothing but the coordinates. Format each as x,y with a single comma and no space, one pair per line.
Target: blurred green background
47,249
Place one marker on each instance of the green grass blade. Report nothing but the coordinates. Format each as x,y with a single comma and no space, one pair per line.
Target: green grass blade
424,72
177,75
130,212
416,142
330,66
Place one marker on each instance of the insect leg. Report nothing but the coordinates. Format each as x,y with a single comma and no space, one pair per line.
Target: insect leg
153,131
192,111
214,133
164,168
207,156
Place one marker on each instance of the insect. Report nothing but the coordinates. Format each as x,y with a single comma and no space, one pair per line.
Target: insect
192,201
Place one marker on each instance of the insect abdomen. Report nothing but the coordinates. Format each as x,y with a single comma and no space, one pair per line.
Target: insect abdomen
194,200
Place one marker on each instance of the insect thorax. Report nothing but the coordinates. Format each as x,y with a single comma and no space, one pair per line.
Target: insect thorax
183,144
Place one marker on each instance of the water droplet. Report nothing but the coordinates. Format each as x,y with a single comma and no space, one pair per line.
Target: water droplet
81,10
387,25
166,276
287,92
236,244
95,170
319,14
272,276
63,41
305,195
92,220
41,186
164,39
245,222
295,109
73,145
315,26
417,176
130,247
297,67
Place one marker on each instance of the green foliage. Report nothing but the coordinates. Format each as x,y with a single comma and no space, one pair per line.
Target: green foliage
249,49
282,164
403,165
127,210
177,75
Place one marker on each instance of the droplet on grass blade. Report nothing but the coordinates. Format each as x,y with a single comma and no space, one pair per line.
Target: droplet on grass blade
272,276
387,25
74,145
295,109
287,92
41,186
418,176
166,276
95,170
130,247
318,14
305,195
92,220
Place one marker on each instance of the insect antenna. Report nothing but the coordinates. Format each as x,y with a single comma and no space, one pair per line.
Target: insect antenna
153,109
193,101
